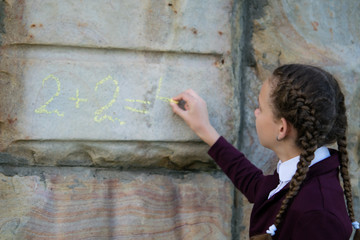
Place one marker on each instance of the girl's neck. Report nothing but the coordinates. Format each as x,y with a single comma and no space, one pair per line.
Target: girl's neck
286,151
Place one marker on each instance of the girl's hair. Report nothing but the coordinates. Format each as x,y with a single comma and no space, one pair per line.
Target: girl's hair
311,100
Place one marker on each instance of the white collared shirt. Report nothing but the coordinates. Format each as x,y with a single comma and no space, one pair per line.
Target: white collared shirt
287,169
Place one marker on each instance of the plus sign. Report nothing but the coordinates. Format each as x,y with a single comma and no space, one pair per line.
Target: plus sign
77,99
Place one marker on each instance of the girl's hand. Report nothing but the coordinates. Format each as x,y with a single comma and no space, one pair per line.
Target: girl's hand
195,115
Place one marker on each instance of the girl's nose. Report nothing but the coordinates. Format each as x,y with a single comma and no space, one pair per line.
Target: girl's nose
256,112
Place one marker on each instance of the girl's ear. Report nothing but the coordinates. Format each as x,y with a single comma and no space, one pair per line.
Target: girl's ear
284,129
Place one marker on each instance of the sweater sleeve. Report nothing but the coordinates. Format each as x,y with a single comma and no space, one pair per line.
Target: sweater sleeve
245,176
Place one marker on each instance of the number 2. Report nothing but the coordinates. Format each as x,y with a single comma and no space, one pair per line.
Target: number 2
43,108
98,117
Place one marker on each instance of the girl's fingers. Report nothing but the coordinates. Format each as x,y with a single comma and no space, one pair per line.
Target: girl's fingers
183,101
175,107
189,106
186,96
195,115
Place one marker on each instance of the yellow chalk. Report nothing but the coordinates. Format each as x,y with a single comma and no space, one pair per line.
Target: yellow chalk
136,110
43,108
165,99
138,101
77,99
173,101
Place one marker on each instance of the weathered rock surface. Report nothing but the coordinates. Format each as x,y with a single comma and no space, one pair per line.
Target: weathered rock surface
106,72
86,86
79,203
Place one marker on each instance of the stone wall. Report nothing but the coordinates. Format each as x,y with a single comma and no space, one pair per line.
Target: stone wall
89,146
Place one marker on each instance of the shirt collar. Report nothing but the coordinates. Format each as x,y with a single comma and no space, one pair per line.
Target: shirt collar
287,169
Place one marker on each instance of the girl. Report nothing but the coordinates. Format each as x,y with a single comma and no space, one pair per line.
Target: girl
301,109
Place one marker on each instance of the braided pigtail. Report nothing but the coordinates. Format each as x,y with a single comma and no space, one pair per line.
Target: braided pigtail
344,163
295,183
341,125
307,140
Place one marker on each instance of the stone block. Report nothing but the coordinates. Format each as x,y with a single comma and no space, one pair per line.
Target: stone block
105,72
83,94
186,26
79,203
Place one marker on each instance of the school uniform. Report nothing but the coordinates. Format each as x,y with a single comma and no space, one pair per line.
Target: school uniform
317,212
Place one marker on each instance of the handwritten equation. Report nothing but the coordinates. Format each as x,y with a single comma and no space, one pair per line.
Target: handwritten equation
102,113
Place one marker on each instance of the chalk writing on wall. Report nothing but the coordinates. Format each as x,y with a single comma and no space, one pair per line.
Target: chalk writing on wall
43,108
77,99
100,114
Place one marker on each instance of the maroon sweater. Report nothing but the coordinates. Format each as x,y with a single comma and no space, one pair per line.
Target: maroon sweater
317,212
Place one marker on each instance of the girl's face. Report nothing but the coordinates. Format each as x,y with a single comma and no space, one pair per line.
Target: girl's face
266,124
